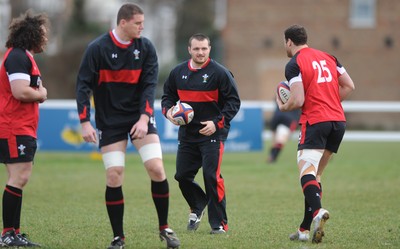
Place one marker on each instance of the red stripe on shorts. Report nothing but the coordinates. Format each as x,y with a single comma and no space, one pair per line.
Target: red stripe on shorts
12,146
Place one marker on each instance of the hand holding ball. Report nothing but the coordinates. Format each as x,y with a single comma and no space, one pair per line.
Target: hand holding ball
283,91
182,113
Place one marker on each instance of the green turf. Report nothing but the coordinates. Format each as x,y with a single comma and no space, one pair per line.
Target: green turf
64,201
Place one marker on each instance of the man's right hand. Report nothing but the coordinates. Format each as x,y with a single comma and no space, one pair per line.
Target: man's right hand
88,132
169,116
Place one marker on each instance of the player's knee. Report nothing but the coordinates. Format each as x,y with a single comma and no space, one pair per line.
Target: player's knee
183,177
209,176
282,134
155,169
20,181
308,168
115,176
178,177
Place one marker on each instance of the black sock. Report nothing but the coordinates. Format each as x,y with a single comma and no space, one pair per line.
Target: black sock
115,209
311,192
12,199
308,217
160,194
17,219
274,152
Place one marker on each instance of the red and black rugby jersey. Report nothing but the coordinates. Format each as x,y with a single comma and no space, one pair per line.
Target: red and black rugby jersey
16,117
211,91
319,72
122,78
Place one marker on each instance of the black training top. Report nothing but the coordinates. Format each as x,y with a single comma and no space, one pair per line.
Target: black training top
122,78
212,93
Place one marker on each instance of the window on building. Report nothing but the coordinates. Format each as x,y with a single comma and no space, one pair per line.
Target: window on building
362,13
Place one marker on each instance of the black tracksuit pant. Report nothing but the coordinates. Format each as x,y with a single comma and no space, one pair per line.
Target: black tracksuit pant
208,155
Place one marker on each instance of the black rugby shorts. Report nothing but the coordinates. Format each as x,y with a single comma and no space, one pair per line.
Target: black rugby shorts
110,136
324,135
17,149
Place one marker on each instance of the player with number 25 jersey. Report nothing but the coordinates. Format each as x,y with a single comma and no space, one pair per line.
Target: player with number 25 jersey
318,83
316,68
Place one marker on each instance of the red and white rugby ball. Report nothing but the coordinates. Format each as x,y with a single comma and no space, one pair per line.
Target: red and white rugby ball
283,91
182,113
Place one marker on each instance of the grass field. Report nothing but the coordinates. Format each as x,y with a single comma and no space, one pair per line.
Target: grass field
64,201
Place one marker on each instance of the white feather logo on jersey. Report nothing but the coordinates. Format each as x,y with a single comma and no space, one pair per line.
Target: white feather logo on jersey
205,77
136,53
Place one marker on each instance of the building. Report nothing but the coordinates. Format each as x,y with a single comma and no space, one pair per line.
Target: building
363,34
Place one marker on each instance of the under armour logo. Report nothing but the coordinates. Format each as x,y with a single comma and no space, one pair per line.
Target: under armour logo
184,77
213,140
114,56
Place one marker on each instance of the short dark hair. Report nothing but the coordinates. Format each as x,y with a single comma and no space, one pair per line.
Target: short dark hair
127,11
199,37
297,34
27,32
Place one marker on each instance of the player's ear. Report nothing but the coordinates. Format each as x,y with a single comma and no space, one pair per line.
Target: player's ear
122,22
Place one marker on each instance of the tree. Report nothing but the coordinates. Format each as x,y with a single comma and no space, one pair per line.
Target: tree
195,17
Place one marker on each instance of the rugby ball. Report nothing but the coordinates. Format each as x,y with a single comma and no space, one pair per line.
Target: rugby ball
283,91
182,113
